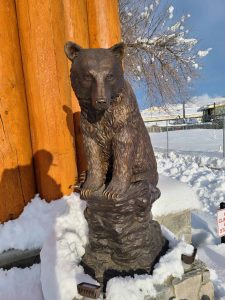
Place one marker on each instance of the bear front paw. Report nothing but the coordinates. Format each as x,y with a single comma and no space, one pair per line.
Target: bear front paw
115,189
91,185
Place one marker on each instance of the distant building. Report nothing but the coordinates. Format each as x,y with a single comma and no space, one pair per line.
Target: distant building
211,111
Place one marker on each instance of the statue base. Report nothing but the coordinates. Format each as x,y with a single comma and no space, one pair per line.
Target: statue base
123,238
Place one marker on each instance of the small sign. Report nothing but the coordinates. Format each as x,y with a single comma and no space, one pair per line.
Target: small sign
221,222
89,290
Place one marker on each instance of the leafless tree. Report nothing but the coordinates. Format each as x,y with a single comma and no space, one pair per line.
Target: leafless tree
160,54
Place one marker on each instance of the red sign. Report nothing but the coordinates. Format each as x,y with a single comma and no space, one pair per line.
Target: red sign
221,222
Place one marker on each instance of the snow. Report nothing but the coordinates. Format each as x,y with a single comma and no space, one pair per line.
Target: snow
139,68
203,53
62,252
199,141
171,10
199,173
31,229
213,255
21,284
175,197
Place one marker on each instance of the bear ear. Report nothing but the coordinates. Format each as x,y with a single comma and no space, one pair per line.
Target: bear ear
118,50
72,50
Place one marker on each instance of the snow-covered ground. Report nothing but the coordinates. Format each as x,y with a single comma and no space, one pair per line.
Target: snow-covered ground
60,228
207,176
195,141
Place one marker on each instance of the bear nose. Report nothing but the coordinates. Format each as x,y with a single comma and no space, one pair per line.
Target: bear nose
101,100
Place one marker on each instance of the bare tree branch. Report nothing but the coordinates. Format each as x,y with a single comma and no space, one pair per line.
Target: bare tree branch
159,54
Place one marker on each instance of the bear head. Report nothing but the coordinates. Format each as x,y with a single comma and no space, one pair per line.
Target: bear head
96,74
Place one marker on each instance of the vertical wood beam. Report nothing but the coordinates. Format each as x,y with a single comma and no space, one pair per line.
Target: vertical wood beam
42,37
103,23
17,185
76,26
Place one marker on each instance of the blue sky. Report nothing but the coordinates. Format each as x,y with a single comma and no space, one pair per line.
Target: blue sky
207,24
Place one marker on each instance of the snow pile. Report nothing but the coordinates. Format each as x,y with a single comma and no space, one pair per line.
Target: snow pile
62,252
144,285
32,227
21,284
175,197
213,255
200,173
197,173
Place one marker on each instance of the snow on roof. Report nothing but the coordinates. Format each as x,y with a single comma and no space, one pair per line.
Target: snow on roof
193,107
220,102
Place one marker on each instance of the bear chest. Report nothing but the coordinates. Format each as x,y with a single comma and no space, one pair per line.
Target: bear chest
102,131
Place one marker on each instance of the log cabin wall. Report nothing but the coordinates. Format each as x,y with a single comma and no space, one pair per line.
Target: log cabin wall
76,26
17,185
42,36
103,23
39,114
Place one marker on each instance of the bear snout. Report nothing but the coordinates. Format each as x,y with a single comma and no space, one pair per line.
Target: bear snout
100,103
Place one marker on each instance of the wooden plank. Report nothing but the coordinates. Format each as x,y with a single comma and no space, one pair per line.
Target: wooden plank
103,23
76,26
42,37
17,185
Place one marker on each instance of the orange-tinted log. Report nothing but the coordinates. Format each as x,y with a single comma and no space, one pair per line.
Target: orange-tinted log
76,26
17,185
103,23
42,37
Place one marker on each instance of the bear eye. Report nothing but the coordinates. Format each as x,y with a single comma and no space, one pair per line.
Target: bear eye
88,77
109,77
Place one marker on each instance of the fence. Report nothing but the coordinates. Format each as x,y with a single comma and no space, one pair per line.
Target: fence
189,135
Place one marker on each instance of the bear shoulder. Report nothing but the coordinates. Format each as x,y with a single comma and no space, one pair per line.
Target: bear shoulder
125,109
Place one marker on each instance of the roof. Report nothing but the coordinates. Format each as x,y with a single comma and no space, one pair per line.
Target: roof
212,105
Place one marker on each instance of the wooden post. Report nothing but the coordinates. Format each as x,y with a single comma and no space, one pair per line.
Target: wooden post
76,26
17,185
42,37
103,23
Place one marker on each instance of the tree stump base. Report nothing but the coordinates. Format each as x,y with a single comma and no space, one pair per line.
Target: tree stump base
123,238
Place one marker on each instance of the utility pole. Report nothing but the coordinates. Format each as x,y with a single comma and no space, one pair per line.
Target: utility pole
184,110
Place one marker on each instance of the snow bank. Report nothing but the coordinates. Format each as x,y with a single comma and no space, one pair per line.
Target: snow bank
31,229
175,197
62,252
21,284
206,175
200,173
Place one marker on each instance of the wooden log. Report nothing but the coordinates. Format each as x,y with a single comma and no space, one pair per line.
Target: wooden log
17,185
76,26
42,37
103,23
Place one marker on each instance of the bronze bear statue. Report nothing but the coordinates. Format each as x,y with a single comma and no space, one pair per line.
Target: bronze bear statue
116,142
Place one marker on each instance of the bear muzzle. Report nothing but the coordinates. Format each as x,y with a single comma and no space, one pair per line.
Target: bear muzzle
101,104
